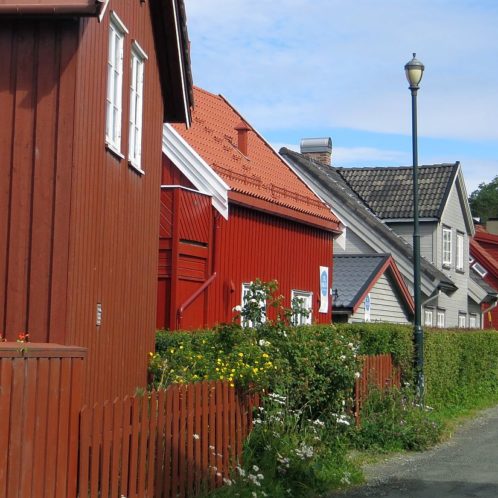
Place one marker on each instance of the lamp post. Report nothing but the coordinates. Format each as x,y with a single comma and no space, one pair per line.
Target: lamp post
414,71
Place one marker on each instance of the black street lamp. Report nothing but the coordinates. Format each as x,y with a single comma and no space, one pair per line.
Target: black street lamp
414,71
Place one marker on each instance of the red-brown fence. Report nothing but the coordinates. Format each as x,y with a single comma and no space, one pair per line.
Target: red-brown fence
377,371
164,444
40,401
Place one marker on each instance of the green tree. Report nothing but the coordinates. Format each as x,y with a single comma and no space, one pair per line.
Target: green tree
484,200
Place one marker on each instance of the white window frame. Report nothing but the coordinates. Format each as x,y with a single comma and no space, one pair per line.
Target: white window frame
249,323
472,321
480,270
114,98
459,251
428,317
137,69
307,297
441,319
462,320
447,246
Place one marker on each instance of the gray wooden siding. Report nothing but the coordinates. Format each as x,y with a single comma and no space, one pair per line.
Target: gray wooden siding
427,237
354,244
476,310
386,304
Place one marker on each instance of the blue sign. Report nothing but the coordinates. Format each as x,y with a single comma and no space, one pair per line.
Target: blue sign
324,283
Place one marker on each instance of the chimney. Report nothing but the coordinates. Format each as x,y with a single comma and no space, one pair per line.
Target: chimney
242,131
492,225
318,149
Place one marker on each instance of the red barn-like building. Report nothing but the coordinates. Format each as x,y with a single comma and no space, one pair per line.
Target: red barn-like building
484,254
85,88
233,211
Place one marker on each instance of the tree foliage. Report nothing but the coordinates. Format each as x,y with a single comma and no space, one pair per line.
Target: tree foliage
484,200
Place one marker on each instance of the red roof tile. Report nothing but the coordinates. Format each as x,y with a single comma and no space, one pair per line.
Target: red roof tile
262,174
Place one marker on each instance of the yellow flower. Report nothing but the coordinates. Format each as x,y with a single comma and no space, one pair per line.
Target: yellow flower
255,370
232,384
241,354
265,355
181,347
171,351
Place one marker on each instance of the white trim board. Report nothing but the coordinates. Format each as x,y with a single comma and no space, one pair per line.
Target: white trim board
197,171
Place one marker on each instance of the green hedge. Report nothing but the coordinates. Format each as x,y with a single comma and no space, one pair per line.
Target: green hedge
314,366
460,366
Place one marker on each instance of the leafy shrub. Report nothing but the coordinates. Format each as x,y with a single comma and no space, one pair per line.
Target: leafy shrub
288,454
391,420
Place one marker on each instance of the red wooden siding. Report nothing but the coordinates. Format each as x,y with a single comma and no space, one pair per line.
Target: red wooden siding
257,245
40,401
185,255
37,85
78,226
170,443
114,215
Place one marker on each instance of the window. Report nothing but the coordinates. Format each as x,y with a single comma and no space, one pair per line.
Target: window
462,320
473,321
440,318
447,247
428,318
459,251
480,270
302,306
138,58
256,303
114,105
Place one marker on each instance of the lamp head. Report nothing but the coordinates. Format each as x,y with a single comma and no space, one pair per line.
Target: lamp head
414,71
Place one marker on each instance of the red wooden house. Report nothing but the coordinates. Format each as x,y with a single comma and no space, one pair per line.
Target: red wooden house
85,87
233,211
484,262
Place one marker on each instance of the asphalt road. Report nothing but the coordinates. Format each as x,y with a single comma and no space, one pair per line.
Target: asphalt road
465,466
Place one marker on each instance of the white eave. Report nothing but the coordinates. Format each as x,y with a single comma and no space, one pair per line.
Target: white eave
476,292
197,171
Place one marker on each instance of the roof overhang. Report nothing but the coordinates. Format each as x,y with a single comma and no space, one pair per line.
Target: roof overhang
197,171
272,208
477,293
52,7
173,55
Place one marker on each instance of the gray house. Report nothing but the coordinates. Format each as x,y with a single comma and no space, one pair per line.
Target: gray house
375,205
369,288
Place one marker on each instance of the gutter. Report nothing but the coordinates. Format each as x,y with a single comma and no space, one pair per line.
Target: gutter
207,283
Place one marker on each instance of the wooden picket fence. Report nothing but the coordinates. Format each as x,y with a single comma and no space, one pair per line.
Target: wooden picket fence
378,371
169,443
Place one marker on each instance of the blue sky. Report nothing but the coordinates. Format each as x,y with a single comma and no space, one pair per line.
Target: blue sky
317,68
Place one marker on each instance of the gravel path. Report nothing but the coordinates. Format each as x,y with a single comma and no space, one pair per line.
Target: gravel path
464,466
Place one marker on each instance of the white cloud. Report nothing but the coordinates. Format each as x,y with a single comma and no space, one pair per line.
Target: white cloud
300,63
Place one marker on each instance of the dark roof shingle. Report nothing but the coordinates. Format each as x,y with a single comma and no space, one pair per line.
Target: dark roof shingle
388,192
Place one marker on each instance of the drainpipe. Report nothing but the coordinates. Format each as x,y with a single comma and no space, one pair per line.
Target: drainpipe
483,312
208,282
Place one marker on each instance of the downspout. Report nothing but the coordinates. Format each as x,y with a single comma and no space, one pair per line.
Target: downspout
208,282
483,312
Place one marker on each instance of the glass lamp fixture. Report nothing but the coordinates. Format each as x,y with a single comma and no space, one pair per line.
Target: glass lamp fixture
414,71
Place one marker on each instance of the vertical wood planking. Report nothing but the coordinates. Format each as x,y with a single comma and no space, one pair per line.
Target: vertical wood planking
190,477
198,469
125,448
153,430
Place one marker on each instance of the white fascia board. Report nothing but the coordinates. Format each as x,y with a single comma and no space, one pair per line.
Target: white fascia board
191,164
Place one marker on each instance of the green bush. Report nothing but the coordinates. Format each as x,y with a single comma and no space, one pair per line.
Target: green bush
391,420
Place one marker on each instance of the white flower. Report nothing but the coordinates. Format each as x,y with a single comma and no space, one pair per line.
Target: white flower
254,494
357,375
237,308
260,476
262,342
227,481
255,468
196,436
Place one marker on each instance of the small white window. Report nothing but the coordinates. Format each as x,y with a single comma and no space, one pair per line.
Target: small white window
114,100
428,318
257,300
462,320
459,251
440,319
302,300
480,269
138,58
473,321
447,247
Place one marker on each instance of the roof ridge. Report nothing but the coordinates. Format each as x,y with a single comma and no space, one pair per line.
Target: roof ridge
395,168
